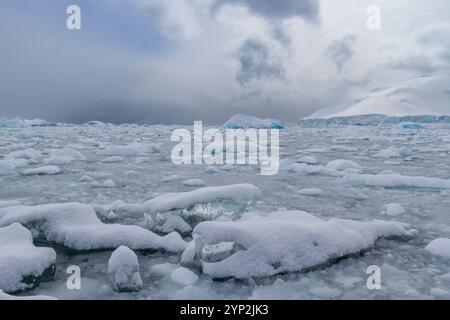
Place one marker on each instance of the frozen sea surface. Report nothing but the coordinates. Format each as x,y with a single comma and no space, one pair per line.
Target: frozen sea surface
141,170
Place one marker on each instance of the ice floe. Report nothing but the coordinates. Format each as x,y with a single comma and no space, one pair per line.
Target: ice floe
439,247
123,266
77,227
286,242
22,265
40,171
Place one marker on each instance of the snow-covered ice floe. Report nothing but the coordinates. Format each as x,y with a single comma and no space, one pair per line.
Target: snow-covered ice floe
281,242
46,170
76,226
123,266
22,265
202,204
439,247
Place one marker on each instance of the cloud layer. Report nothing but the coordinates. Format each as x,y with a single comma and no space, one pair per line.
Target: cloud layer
176,61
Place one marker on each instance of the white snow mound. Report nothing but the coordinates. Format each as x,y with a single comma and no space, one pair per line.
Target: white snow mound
19,258
123,266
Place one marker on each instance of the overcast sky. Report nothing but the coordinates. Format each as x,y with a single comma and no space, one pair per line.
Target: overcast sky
176,61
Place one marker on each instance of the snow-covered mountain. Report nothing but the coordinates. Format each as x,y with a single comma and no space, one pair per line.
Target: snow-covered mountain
423,98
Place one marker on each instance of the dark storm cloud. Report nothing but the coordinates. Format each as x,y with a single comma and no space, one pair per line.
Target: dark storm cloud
341,51
278,10
255,63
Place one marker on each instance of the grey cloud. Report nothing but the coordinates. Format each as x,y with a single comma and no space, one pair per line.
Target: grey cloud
341,51
255,63
278,10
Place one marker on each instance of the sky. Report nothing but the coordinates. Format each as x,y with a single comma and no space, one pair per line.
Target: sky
177,61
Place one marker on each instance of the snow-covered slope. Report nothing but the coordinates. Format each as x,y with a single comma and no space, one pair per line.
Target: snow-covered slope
424,96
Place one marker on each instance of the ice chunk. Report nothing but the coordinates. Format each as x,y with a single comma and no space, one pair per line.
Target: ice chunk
202,204
311,192
22,265
393,209
134,149
396,181
108,184
194,183
46,170
28,154
344,165
439,247
170,201
287,242
123,266
167,223
308,160
240,121
113,159
76,226
394,153
183,276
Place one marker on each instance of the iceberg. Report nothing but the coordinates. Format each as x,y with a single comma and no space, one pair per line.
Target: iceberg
240,121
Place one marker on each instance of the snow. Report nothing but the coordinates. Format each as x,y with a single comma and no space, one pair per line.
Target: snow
46,170
287,242
424,96
77,227
123,266
183,276
396,181
439,247
240,121
20,259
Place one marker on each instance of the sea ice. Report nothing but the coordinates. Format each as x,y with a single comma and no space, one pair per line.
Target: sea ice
22,265
123,266
77,227
286,242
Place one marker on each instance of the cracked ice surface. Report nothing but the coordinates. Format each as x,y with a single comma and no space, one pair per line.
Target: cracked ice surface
359,191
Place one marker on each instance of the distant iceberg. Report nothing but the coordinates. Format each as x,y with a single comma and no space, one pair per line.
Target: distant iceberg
21,123
421,100
240,121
